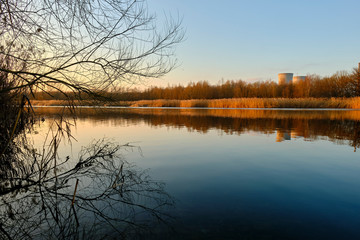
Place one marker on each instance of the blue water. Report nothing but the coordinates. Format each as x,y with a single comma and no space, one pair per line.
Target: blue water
232,183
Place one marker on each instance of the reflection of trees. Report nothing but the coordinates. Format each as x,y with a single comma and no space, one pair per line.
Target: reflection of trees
356,138
11,129
341,127
113,198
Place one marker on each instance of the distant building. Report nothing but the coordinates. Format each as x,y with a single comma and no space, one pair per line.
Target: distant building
297,79
285,78
290,78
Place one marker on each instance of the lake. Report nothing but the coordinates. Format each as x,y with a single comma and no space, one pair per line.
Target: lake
236,173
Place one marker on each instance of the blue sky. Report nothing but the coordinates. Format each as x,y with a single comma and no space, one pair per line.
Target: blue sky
254,40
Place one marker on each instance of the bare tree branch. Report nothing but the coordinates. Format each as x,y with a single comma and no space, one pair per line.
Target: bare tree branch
83,45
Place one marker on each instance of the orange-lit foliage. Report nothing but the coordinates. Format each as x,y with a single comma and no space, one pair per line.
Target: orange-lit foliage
339,85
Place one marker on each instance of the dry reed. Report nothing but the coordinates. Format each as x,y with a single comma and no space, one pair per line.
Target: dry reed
348,103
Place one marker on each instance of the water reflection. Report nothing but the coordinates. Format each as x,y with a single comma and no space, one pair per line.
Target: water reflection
338,126
282,135
102,196
230,177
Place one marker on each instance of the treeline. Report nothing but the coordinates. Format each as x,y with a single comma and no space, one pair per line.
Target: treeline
341,84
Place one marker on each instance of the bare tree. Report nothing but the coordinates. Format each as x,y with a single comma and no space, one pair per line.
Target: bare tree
78,46
82,45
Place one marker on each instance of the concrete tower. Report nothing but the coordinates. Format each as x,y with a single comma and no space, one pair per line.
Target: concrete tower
297,79
285,78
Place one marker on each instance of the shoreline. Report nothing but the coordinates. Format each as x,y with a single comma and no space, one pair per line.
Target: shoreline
235,103
196,108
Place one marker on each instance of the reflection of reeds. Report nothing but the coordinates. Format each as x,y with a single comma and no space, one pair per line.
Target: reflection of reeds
340,126
349,103
117,113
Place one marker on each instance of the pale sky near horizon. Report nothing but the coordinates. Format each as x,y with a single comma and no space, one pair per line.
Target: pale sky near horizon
254,40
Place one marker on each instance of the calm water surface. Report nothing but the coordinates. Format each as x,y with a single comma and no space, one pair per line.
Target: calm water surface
241,174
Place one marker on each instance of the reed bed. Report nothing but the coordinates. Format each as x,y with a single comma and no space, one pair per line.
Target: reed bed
347,103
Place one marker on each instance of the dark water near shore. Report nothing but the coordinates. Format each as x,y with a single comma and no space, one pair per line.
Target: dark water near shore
241,174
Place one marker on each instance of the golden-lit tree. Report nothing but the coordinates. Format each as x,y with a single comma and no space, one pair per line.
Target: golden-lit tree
355,81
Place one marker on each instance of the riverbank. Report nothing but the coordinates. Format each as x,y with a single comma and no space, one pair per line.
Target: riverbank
348,103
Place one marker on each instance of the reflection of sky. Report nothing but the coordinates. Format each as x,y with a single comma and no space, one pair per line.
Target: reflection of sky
248,180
